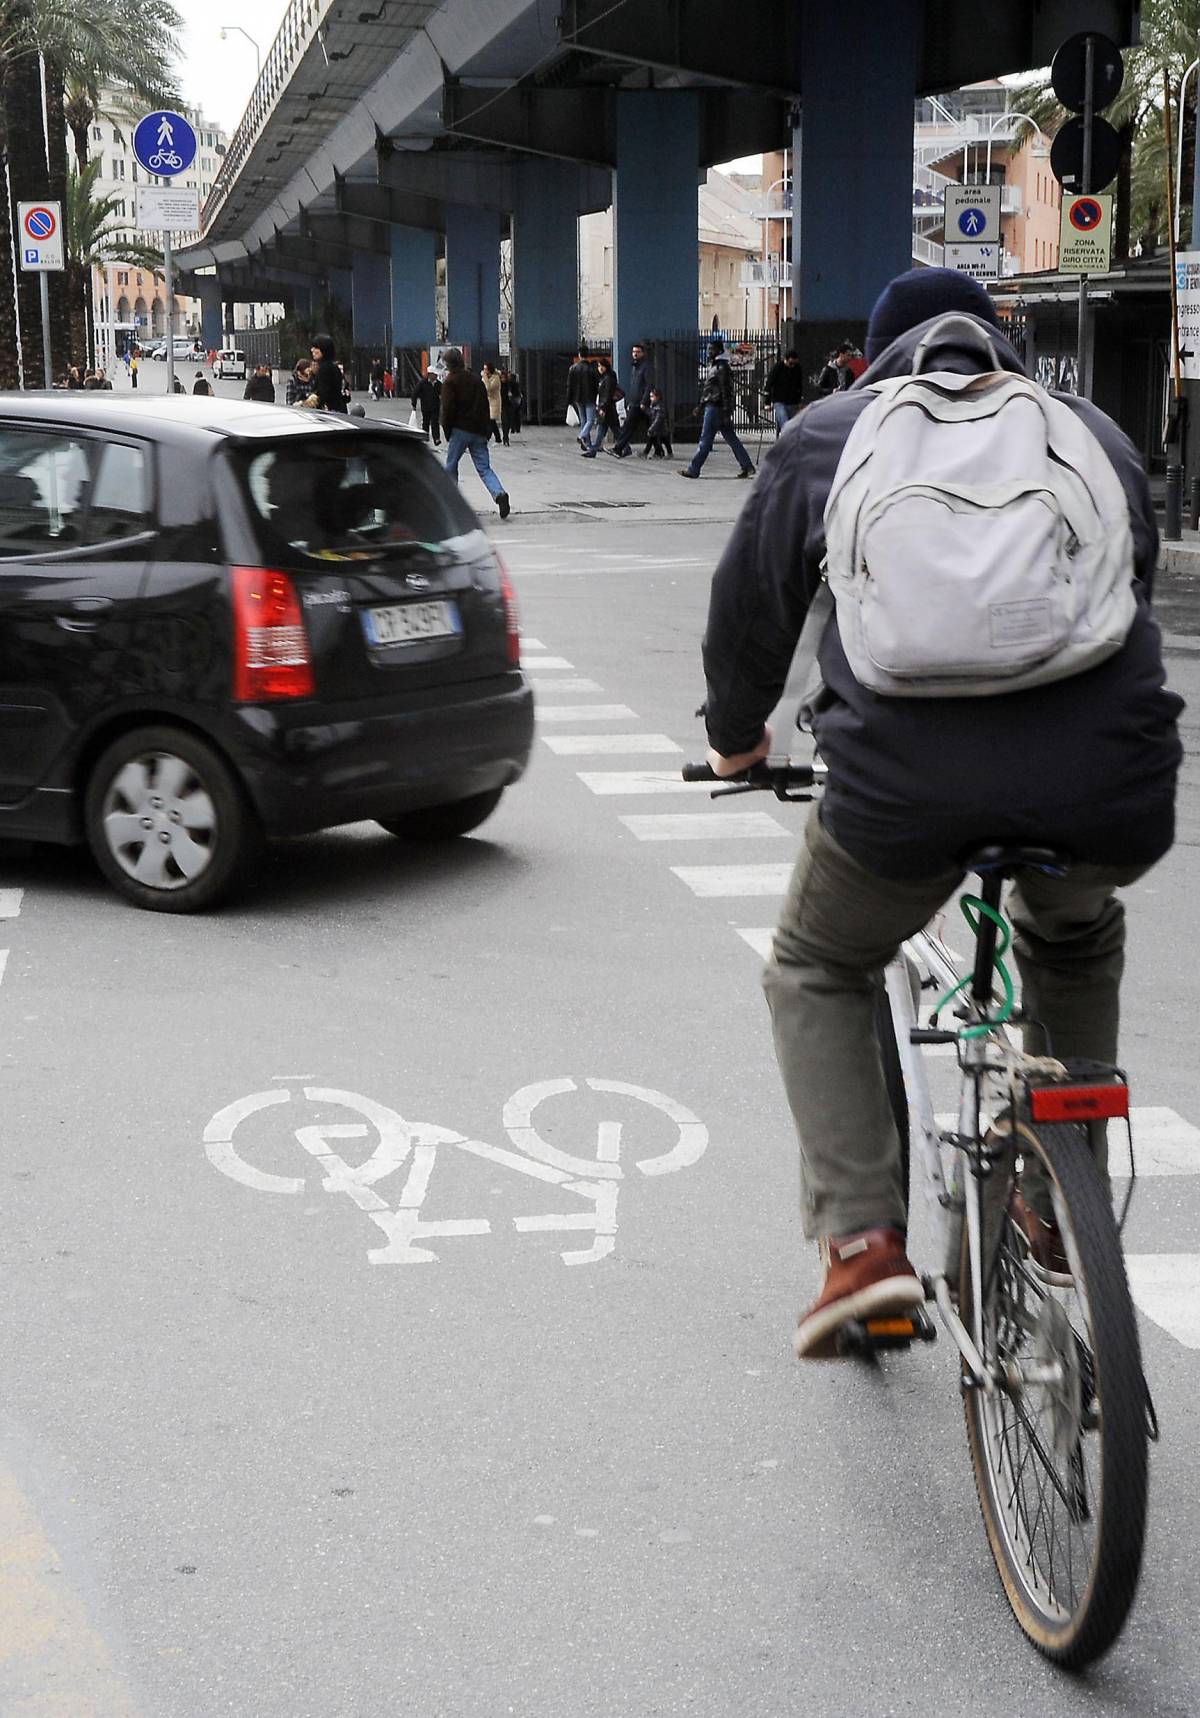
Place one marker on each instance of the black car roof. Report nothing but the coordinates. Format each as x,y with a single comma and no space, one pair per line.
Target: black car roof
195,414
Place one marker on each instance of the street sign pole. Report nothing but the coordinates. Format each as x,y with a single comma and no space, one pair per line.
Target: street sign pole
47,367
1083,359
170,288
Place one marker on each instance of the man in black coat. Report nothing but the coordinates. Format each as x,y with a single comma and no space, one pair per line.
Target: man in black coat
260,387
637,402
1085,765
582,383
784,392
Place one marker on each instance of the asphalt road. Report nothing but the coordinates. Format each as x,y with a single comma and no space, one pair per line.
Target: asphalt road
484,1428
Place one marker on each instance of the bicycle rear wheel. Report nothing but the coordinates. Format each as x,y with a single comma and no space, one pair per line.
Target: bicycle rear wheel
1059,1450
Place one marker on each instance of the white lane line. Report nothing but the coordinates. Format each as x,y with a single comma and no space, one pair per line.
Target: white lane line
760,941
541,663
584,713
1166,1287
711,881
1163,1143
567,685
703,826
10,902
531,643
640,781
571,744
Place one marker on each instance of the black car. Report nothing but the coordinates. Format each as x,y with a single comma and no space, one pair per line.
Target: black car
222,620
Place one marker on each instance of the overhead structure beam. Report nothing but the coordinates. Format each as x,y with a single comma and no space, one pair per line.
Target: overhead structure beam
570,124
690,38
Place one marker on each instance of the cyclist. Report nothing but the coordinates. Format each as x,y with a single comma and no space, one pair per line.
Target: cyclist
1086,765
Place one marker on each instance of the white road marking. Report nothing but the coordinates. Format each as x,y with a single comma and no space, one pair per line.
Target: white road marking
10,903
584,713
568,684
3,963
538,663
640,781
702,826
711,881
1163,1143
573,744
531,643
1166,1287
760,941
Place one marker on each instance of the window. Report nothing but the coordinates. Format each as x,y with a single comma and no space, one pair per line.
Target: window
123,277
97,134
135,173
118,169
65,492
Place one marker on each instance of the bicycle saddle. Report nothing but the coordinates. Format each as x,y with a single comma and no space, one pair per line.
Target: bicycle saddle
998,856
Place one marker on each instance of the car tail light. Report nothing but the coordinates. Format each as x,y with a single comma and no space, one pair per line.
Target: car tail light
1079,1103
271,657
511,626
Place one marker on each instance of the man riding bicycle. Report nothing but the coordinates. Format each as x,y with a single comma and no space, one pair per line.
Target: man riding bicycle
1084,764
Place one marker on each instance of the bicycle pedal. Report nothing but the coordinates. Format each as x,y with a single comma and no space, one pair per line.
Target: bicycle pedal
896,1330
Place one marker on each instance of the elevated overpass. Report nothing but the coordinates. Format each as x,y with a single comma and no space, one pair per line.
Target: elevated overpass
382,132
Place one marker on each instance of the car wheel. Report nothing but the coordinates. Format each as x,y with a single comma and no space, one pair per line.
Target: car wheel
167,821
443,822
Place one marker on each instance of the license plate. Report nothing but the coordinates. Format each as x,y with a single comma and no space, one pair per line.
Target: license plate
412,622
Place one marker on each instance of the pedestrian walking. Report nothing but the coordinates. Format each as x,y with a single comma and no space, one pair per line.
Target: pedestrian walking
299,383
716,403
491,382
511,402
466,424
202,385
637,402
426,399
134,363
658,433
784,392
581,396
260,387
375,384
608,392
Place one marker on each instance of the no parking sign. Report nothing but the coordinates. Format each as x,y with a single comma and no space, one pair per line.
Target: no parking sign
40,236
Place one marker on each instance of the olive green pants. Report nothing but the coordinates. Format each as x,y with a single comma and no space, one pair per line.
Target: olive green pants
840,926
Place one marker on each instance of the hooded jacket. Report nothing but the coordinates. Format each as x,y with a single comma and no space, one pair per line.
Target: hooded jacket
1086,764
717,389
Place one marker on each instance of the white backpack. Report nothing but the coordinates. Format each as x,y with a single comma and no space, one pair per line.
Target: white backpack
977,535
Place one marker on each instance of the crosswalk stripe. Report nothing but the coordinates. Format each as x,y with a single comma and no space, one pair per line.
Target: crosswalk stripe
541,664
701,826
531,643
568,685
760,941
640,781
711,881
1166,1287
1163,1143
585,713
567,744
10,902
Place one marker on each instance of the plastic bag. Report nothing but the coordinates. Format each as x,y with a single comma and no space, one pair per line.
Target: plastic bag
572,418
414,419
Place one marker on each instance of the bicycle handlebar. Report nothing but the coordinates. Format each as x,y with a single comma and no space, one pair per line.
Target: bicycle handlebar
779,777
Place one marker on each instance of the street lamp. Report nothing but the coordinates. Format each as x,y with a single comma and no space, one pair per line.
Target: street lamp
225,30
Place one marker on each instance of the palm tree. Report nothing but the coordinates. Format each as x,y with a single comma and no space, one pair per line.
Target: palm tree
109,44
94,239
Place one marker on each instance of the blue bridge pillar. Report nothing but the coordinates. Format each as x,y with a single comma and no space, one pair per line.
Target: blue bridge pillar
472,277
210,311
371,300
545,224
853,155
655,206
414,286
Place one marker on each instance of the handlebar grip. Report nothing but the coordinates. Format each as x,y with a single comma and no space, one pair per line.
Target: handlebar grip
698,772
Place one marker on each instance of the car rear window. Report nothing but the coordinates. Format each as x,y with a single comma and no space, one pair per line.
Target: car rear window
349,498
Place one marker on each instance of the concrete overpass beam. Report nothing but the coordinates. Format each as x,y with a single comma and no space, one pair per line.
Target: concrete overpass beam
853,155
414,286
545,253
472,276
655,214
371,299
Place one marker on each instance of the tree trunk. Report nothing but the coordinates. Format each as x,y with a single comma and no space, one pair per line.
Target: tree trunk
63,347
77,283
29,180
1122,219
9,373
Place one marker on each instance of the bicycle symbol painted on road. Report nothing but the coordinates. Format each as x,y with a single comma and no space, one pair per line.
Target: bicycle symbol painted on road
413,1147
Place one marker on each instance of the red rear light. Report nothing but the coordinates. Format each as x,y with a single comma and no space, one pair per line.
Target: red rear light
511,626
1078,1103
271,658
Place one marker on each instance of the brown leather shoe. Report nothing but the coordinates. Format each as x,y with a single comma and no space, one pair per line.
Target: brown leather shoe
867,1275
1043,1242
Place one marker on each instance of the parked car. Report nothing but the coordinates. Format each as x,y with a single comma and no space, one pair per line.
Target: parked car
230,361
220,622
183,349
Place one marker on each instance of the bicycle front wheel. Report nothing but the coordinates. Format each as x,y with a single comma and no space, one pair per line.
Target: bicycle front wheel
1059,1449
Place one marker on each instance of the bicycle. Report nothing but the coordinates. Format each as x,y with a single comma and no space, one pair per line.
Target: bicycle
1058,1413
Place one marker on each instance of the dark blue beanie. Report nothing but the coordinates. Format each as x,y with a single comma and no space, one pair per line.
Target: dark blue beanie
914,297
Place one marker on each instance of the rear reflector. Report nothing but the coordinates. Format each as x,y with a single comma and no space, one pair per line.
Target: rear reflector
1078,1103
271,657
511,627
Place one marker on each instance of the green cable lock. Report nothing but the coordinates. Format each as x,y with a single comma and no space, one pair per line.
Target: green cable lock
974,911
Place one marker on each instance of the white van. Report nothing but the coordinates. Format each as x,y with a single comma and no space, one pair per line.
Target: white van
230,362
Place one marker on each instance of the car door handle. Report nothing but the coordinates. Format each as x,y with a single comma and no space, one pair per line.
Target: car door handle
89,605
76,623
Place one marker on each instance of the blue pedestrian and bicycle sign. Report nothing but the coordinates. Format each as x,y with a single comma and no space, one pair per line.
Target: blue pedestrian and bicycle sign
164,143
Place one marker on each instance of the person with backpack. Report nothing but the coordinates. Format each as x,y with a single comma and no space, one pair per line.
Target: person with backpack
991,671
716,405
201,384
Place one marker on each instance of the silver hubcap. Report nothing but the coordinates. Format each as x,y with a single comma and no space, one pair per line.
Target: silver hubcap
159,822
